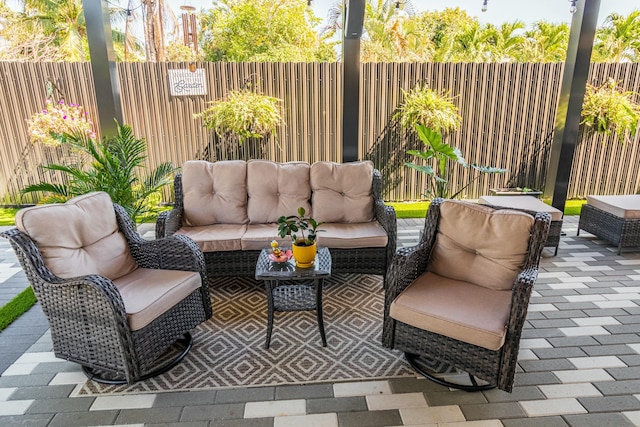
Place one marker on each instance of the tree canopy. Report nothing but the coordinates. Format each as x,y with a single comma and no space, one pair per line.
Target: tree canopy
288,31
263,30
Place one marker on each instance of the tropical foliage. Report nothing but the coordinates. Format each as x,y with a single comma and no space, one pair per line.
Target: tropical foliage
263,30
618,39
243,114
608,109
442,154
112,165
429,108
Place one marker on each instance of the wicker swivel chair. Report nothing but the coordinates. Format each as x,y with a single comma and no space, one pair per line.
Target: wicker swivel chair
115,302
460,296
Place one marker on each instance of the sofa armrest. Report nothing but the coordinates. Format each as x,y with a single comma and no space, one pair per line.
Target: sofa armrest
168,223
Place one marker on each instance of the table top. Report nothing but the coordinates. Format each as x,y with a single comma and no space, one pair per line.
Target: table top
267,269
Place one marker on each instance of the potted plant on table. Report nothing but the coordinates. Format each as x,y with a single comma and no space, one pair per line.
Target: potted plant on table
302,230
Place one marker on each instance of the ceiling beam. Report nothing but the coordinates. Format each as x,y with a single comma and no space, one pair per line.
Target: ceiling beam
103,66
572,91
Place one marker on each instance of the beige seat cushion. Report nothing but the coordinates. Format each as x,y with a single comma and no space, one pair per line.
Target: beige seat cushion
457,309
480,245
79,237
345,236
147,293
215,193
276,189
624,206
529,203
217,237
342,192
259,236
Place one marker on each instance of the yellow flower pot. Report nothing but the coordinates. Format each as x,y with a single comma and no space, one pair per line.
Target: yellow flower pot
304,255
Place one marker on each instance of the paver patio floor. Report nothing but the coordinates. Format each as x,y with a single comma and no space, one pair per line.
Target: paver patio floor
579,365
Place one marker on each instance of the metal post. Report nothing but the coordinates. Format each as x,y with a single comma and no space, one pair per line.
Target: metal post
103,65
351,81
574,81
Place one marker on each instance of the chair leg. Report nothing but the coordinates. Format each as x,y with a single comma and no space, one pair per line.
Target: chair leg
411,358
95,375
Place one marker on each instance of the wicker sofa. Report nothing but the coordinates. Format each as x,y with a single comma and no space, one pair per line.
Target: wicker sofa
230,209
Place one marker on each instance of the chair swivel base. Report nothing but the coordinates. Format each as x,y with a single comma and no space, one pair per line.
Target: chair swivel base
186,341
474,386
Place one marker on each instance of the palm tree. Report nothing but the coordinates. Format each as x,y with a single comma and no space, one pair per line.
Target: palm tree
506,43
547,42
618,40
472,45
156,15
65,20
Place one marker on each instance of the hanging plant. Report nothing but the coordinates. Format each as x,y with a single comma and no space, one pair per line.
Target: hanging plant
608,109
58,119
426,107
244,114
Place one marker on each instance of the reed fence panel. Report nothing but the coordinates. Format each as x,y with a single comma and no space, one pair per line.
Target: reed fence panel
507,114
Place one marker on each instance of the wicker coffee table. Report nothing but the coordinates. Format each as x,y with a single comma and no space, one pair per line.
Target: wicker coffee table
290,288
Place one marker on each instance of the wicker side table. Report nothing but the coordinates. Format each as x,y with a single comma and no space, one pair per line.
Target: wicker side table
290,288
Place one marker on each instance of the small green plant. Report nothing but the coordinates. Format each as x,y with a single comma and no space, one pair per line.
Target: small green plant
427,107
244,114
291,225
607,109
114,167
441,154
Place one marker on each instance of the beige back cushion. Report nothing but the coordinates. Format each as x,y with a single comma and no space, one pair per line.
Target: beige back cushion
215,193
342,192
276,189
481,245
79,237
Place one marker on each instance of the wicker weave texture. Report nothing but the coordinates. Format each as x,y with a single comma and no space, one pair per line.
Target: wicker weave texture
87,316
622,232
496,367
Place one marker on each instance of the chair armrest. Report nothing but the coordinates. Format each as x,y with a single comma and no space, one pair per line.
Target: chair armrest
386,217
520,295
168,223
407,265
175,252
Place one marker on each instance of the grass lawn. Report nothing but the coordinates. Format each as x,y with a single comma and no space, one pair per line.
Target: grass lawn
7,215
14,308
419,209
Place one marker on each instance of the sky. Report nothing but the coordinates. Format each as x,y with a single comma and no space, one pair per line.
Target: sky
498,11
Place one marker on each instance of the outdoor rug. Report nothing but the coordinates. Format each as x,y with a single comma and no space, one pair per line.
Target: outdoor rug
229,349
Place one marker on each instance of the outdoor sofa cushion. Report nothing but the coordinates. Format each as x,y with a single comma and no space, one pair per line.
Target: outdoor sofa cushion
148,293
455,308
529,203
623,206
350,235
342,192
467,245
79,237
216,237
276,189
215,193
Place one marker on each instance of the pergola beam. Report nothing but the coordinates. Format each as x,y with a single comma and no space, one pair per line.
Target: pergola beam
354,20
103,65
572,91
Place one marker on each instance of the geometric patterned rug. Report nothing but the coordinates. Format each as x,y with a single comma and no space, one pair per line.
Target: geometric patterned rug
229,351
